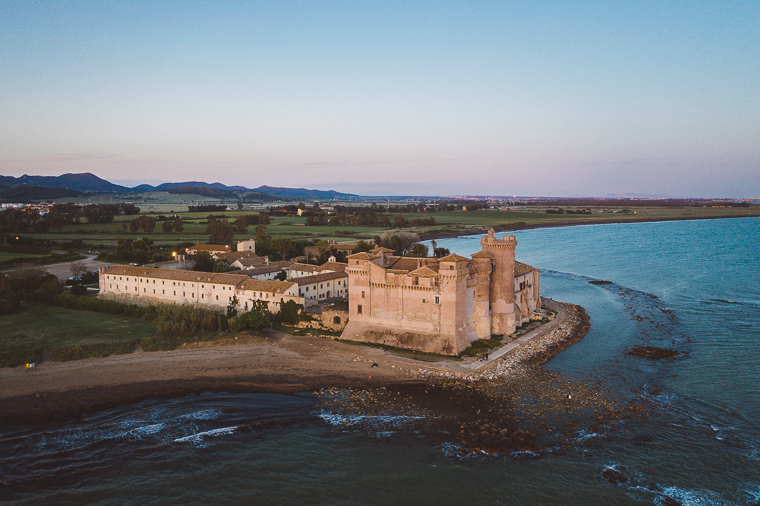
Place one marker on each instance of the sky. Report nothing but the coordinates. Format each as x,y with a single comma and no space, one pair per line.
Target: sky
388,98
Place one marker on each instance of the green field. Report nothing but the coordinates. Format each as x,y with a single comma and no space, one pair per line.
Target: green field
447,223
5,256
43,326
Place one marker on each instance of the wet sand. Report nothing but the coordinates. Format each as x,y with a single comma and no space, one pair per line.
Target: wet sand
276,363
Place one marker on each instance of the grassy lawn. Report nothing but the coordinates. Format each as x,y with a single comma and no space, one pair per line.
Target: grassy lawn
42,326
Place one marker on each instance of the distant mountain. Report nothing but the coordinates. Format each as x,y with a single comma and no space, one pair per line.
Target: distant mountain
303,192
85,182
31,193
203,191
198,184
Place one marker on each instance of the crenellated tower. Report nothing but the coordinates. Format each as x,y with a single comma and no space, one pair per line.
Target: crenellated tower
502,281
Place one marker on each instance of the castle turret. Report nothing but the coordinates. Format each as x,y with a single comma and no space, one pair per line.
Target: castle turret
502,281
483,263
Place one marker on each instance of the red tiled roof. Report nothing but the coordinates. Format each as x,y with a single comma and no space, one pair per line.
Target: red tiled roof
317,278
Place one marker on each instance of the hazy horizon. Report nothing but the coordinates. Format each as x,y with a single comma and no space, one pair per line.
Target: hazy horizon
450,98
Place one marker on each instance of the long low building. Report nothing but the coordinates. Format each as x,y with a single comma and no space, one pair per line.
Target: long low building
142,285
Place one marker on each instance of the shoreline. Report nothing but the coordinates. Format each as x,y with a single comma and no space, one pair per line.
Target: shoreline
277,363
561,224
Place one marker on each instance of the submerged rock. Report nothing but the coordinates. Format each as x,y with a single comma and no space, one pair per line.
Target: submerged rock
653,352
600,282
614,477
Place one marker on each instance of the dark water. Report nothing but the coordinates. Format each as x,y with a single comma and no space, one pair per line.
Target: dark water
693,286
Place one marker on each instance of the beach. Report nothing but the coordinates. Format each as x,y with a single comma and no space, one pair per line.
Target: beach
275,363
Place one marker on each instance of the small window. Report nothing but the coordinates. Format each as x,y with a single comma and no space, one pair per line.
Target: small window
362,294
437,299
336,320
163,292
359,309
202,296
217,297
175,292
154,291
183,294
192,295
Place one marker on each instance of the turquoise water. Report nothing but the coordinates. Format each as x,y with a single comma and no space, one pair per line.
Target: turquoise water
692,285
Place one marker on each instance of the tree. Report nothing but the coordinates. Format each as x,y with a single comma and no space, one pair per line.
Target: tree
441,252
178,225
203,262
78,269
281,276
167,226
261,233
232,307
240,205
220,232
221,265
420,250
362,246
282,246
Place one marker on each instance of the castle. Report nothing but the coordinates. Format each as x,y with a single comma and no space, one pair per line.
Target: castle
440,305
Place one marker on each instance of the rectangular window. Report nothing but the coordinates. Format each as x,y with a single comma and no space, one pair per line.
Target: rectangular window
192,295
135,288
154,291
110,286
183,294
362,294
437,299
175,292
217,297
359,309
163,292
202,296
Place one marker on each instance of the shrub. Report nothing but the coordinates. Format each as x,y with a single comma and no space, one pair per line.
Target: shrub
290,313
78,290
8,306
19,357
252,320
81,351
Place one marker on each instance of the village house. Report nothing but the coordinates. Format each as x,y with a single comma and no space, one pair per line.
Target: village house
323,286
211,249
440,305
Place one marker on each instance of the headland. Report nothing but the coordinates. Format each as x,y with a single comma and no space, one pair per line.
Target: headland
274,363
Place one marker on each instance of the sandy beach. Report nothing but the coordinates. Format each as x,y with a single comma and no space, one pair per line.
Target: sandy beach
276,363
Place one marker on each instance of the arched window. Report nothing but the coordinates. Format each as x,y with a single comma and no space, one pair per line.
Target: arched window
336,320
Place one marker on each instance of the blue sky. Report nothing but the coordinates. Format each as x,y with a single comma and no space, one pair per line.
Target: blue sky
428,98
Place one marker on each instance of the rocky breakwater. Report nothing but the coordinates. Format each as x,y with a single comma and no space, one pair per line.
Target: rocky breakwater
494,439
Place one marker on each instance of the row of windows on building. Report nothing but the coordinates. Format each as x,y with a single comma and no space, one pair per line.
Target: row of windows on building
174,283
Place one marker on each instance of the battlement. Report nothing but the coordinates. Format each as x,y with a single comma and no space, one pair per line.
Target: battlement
491,241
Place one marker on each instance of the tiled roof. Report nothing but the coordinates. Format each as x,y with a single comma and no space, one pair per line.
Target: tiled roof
176,275
251,262
406,263
362,256
209,247
333,266
380,248
303,267
317,278
235,255
521,268
424,271
482,254
264,269
454,258
266,285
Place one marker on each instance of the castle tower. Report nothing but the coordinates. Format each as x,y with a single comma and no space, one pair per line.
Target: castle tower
502,281
483,263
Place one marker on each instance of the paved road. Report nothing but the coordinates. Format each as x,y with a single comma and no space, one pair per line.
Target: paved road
63,270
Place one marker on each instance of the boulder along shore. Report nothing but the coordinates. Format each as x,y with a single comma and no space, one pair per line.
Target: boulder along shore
275,363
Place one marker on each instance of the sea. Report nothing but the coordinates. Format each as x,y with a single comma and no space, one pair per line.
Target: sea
692,286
